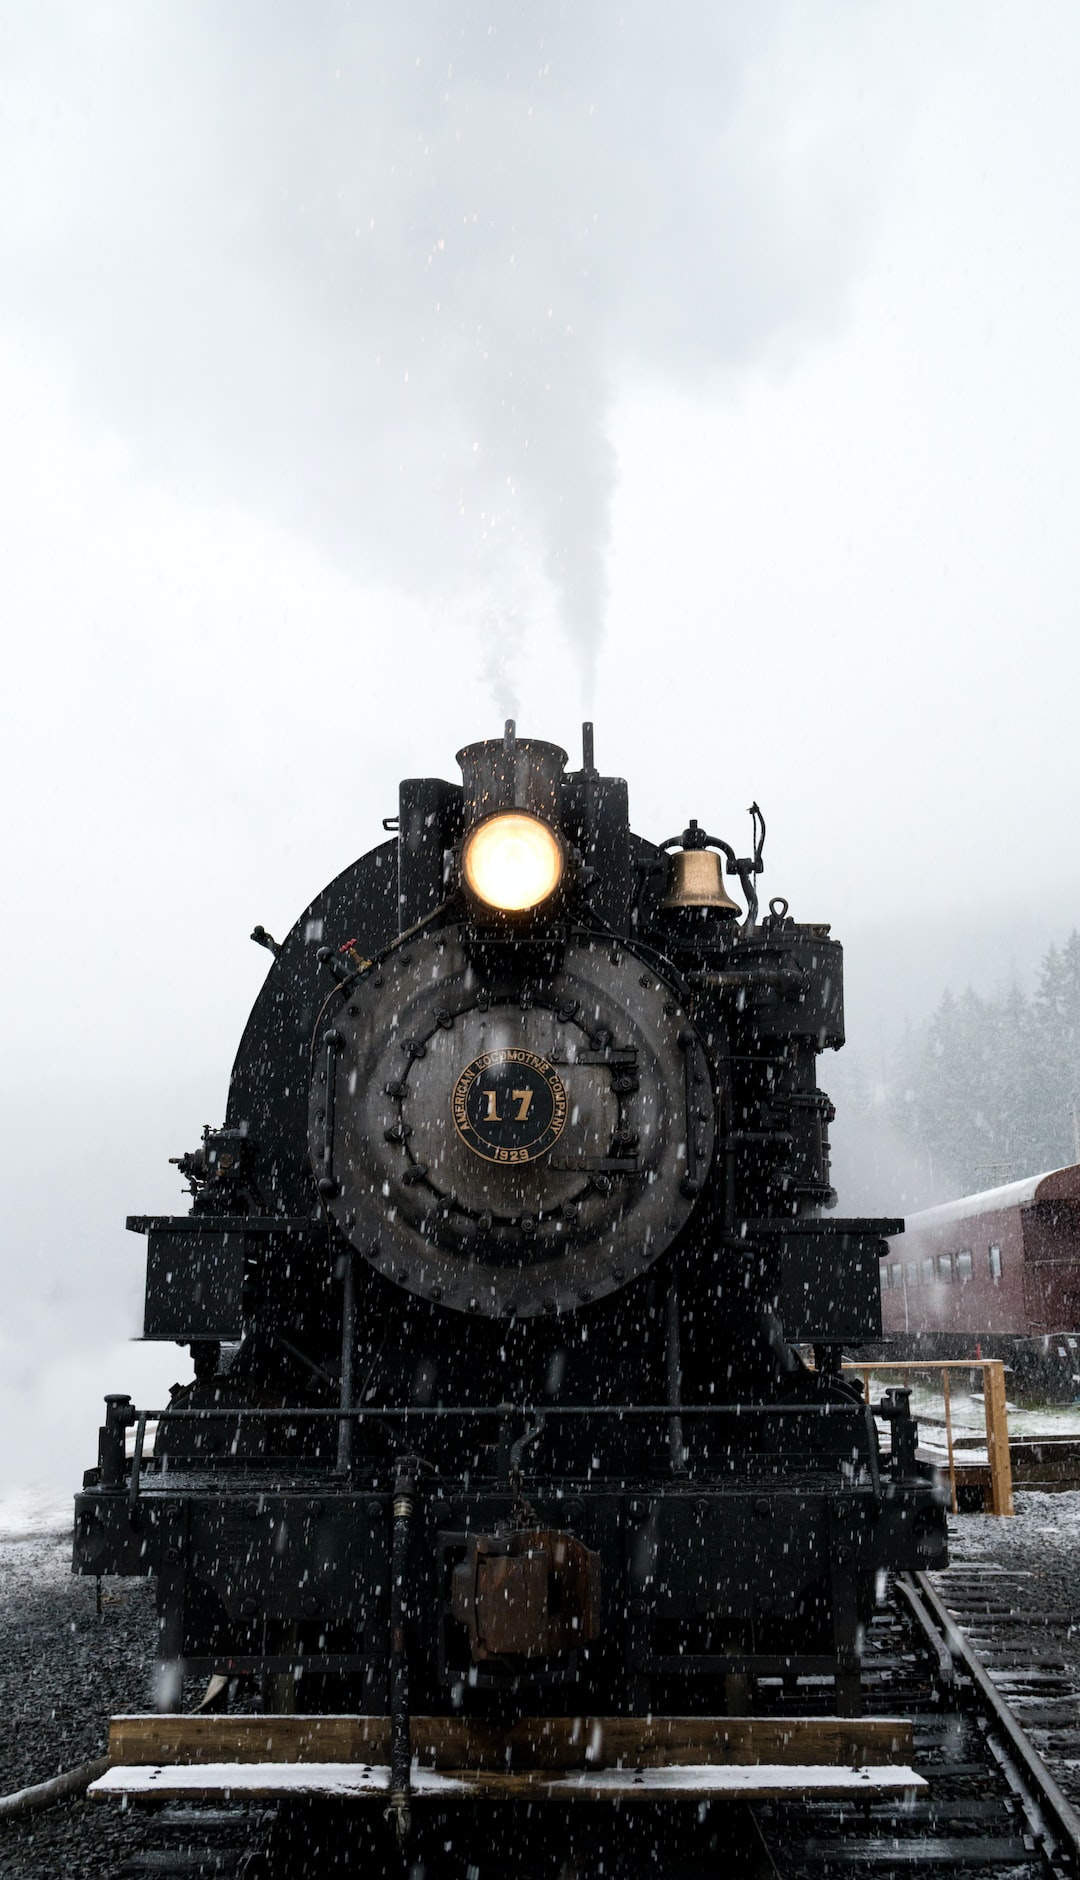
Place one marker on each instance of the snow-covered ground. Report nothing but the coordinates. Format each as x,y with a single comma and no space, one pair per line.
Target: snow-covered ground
34,1514
969,1416
49,1422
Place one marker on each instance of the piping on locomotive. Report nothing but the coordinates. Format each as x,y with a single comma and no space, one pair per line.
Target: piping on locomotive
494,1279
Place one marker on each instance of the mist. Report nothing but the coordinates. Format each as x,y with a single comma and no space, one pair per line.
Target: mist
380,273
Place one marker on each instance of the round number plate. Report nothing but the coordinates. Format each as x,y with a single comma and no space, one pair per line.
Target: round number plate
509,1106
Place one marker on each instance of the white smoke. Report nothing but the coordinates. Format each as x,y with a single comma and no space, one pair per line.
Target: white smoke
379,271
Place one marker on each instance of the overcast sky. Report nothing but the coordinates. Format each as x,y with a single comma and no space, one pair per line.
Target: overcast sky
369,372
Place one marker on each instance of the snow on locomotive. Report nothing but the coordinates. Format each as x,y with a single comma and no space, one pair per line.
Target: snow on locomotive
493,1281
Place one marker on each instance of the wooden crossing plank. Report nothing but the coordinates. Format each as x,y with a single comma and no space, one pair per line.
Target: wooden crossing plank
371,1782
530,1743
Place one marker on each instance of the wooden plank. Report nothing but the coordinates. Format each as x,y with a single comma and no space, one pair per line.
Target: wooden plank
371,1782
530,1743
918,1364
946,1391
997,1438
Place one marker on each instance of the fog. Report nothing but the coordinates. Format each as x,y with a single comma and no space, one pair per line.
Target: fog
370,373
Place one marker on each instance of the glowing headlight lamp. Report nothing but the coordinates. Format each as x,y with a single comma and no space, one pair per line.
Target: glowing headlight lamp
512,862
512,857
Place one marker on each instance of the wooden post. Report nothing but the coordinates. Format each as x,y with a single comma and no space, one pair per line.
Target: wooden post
947,1395
997,1437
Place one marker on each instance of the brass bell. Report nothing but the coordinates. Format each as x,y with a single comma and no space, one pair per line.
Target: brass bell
697,880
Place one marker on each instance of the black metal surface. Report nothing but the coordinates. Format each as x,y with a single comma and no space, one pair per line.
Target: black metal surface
512,773
194,1283
400,1618
428,1206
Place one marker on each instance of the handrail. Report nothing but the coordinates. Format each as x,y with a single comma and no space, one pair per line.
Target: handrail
121,1414
385,1413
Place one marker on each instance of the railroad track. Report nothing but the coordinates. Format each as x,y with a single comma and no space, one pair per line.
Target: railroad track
989,1696
1031,1657
1022,1652
992,1807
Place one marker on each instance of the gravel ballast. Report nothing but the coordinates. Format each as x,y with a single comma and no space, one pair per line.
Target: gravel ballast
64,1670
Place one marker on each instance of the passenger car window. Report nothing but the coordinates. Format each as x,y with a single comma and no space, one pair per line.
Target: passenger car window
965,1264
995,1263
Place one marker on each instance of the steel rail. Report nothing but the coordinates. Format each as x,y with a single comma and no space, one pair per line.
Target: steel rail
1052,1817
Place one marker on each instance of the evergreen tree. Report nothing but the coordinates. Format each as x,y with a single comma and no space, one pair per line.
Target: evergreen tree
1057,1025
990,1089
1015,1093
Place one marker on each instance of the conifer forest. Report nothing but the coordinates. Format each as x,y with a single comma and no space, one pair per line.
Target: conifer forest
989,1089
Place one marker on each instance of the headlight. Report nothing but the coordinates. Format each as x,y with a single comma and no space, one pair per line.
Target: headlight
512,861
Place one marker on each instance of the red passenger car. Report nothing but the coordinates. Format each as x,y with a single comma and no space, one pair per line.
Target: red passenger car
994,1275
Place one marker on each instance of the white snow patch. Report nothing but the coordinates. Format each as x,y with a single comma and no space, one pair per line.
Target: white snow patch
30,1514
150,1781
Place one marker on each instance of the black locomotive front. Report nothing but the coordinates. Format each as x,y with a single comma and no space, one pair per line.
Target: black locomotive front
494,1279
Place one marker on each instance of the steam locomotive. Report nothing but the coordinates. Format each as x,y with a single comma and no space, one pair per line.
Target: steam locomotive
495,1279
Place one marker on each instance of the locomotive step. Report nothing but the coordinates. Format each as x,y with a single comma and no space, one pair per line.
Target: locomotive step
355,1782
617,1759
532,1743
